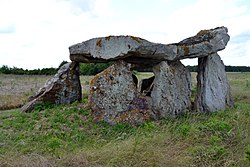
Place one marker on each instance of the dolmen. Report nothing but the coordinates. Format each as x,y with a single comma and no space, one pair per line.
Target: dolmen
115,94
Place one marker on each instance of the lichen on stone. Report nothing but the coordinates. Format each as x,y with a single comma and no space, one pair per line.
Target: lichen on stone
108,37
202,32
136,39
99,42
186,50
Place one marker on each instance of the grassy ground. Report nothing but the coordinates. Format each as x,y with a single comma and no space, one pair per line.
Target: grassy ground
15,89
240,85
67,136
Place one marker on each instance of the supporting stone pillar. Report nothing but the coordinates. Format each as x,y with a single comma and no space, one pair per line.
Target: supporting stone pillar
213,90
114,97
172,89
63,88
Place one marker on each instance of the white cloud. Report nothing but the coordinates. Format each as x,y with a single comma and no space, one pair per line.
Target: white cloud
40,32
9,28
203,14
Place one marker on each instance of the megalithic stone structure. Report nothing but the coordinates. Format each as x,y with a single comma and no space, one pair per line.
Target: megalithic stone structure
63,88
171,94
136,50
115,95
213,89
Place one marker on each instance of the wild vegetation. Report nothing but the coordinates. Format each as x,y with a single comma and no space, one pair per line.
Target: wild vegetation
85,69
92,69
16,89
227,68
66,135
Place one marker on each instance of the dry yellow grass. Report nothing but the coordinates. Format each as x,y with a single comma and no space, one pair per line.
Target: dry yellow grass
15,89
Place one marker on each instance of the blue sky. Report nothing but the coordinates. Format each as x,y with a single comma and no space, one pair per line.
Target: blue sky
37,33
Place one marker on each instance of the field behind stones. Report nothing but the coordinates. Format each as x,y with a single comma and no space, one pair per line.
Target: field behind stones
16,89
66,135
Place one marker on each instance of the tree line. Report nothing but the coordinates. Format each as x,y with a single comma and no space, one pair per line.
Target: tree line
85,69
20,71
92,69
227,68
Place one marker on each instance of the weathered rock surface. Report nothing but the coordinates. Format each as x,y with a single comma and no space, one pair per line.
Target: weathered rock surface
140,51
115,95
64,88
213,90
114,98
171,93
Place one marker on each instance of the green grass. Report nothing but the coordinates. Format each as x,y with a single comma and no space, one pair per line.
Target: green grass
143,75
240,85
66,135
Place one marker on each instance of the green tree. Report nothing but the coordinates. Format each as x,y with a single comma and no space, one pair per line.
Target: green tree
92,68
5,69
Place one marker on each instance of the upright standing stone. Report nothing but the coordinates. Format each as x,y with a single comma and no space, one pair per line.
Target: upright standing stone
172,89
63,88
213,90
114,97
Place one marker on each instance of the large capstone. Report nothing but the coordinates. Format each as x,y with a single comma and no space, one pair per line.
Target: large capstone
63,88
140,51
213,90
171,94
114,97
